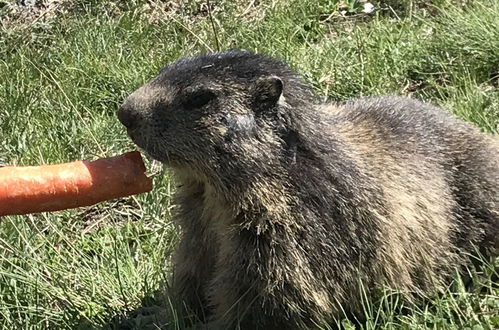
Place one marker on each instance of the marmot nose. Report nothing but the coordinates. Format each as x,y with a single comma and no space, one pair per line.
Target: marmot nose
128,116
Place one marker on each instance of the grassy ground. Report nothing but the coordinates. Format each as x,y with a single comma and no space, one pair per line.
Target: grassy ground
66,68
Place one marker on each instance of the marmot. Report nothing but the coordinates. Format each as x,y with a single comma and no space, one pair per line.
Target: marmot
286,205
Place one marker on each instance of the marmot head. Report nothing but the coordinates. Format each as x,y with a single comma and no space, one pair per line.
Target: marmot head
215,110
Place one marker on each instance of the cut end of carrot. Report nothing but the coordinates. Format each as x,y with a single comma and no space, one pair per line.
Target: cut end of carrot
46,188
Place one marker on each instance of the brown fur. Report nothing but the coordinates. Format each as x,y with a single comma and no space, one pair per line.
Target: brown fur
287,205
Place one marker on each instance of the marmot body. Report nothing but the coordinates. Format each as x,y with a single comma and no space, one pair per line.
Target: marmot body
285,204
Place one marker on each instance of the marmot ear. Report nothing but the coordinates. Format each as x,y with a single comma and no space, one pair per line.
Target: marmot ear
267,92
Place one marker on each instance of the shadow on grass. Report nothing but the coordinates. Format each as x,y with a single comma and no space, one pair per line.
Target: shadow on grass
156,311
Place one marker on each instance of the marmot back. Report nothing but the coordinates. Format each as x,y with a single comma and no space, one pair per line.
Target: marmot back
286,204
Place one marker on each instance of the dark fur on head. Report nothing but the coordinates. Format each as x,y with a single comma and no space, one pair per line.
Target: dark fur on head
285,205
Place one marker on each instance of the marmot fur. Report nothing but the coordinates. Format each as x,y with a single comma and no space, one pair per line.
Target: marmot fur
287,205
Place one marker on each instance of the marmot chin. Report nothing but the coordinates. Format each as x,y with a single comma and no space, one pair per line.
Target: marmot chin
286,205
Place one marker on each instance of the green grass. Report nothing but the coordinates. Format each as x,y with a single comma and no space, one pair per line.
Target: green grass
64,76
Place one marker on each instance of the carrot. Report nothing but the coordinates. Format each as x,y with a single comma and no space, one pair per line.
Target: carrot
44,188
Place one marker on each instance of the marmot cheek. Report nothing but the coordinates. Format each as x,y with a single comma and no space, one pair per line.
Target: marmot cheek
220,130
240,125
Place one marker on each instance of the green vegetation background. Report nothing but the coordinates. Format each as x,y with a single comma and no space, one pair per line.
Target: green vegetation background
66,66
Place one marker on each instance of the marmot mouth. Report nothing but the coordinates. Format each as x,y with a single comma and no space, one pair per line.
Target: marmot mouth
132,134
138,140
148,147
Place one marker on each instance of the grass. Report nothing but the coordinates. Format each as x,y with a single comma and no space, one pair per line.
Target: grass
65,74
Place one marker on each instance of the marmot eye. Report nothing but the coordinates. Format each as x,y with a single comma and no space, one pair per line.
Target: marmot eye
198,99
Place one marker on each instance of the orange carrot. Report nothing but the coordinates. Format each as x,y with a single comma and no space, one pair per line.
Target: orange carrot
33,189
